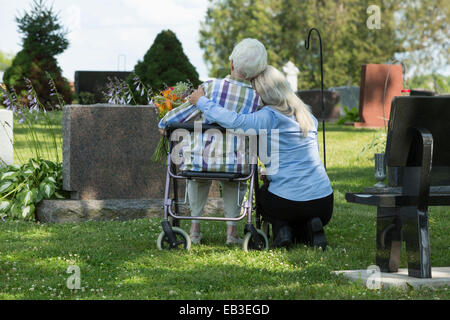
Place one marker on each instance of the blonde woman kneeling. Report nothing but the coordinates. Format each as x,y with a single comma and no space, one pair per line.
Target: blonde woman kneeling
299,199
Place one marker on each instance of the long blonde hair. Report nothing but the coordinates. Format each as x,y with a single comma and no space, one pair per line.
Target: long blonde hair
275,91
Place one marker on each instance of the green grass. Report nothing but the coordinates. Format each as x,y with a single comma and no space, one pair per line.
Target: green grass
119,260
48,138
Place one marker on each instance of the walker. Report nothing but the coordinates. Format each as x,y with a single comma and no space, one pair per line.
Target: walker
172,236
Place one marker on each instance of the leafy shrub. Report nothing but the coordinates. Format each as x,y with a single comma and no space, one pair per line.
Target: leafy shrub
376,145
86,98
350,115
23,187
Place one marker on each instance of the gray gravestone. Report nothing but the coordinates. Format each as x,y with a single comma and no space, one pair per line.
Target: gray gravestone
349,96
107,152
95,81
313,98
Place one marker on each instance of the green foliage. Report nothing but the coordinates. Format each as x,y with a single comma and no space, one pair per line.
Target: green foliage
433,82
376,145
164,64
119,260
282,26
350,115
228,22
5,60
23,187
86,98
424,28
43,38
34,120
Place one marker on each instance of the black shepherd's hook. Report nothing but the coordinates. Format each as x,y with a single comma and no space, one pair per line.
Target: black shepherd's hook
321,90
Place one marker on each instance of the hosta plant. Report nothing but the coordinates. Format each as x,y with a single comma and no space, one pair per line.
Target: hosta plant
23,187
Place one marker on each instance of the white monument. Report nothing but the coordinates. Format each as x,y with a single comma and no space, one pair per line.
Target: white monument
291,72
6,137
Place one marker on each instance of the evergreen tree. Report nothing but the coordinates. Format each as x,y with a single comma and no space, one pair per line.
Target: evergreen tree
164,64
43,37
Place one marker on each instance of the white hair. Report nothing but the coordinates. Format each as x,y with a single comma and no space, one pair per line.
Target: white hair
249,58
276,92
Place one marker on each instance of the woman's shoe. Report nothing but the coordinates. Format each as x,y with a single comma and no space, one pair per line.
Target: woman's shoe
284,238
196,237
233,240
316,235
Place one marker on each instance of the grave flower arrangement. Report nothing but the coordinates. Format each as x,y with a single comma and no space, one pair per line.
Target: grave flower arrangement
165,101
119,92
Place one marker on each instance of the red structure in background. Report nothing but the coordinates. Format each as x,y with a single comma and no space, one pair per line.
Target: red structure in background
372,90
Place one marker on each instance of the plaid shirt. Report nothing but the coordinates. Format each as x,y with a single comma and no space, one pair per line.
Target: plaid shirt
232,94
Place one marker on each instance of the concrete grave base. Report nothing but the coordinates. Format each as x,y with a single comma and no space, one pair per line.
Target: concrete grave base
400,279
63,211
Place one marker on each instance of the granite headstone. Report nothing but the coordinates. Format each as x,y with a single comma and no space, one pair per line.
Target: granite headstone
107,152
379,82
348,96
95,81
314,99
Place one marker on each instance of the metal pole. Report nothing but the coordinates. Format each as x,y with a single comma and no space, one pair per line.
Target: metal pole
321,90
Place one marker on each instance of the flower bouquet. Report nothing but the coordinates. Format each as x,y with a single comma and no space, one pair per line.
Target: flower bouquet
165,101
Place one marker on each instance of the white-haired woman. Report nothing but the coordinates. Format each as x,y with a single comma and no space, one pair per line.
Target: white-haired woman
299,199
234,92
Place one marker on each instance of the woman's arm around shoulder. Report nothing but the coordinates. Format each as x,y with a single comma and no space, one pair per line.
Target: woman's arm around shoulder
262,119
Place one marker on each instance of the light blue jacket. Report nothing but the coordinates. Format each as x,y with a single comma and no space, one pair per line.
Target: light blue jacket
301,175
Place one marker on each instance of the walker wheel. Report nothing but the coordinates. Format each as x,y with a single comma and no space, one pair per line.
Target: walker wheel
183,240
258,242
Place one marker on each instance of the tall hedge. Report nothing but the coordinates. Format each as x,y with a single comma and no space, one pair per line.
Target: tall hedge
165,64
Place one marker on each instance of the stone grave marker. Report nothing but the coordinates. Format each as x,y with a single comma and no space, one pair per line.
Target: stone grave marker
107,152
107,166
348,96
95,81
314,99
6,137
372,113
291,72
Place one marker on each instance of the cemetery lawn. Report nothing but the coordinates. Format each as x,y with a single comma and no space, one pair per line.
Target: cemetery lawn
119,260
42,137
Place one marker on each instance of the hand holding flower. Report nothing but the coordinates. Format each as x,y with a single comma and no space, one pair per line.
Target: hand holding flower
197,94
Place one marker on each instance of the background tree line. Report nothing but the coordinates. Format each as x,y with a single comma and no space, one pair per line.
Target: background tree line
415,31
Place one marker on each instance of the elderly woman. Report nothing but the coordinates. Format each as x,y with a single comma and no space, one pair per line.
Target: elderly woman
299,199
234,92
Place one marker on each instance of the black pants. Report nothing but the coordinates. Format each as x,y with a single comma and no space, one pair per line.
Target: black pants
281,212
